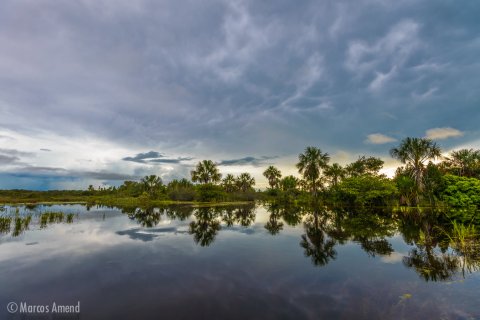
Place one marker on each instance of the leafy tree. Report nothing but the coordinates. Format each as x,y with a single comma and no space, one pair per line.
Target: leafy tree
461,191
433,179
464,163
367,190
229,183
273,176
289,184
209,192
334,174
364,165
206,172
245,182
405,186
310,165
130,188
181,190
415,152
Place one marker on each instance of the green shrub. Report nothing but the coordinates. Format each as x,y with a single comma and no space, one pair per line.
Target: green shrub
461,191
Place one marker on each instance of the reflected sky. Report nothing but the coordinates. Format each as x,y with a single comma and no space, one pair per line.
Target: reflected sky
118,268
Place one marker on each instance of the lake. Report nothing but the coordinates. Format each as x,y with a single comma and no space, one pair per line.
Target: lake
236,262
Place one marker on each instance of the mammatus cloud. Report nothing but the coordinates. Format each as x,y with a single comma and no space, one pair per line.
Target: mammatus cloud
247,161
378,138
443,133
223,78
153,157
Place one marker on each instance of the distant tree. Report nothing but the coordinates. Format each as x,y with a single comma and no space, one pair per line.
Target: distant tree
273,176
151,184
245,182
364,165
334,174
464,163
229,183
181,190
310,165
415,152
206,172
289,183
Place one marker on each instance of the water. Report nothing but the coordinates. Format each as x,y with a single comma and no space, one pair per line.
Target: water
234,263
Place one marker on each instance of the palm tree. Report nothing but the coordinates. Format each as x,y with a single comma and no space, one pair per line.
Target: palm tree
228,183
465,162
334,173
245,181
273,175
415,152
310,163
206,172
151,183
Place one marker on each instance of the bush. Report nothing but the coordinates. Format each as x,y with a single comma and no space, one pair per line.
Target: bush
461,191
209,193
366,190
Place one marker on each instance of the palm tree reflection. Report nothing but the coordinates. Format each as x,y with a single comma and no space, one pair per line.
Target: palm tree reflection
315,242
206,226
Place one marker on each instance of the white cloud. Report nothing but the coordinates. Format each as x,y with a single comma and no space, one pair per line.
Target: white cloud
381,79
425,95
442,133
378,138
393,49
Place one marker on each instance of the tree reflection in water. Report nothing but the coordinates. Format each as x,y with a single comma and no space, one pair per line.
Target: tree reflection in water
315,242
147,217
206,226
440,249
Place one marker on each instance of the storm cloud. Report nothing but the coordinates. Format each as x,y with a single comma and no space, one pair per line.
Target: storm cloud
96,81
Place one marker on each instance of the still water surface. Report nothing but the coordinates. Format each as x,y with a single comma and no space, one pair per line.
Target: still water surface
249,262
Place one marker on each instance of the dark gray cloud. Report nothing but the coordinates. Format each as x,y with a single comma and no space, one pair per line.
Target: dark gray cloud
46,150
15,152
8,159
177,160
154,157
142,157
247,161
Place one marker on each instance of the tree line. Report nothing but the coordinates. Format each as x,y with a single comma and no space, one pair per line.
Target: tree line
425,178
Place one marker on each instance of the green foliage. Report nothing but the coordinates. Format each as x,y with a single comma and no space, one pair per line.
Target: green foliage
366,190
414,152
245,182
152,185
273,176
334,174
209,193
364,165
181,190
229,183
310,165
461,191
464,162
206,172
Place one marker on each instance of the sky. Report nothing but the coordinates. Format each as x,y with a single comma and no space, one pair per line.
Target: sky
97,92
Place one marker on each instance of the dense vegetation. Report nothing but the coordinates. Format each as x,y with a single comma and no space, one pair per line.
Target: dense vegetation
425,179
